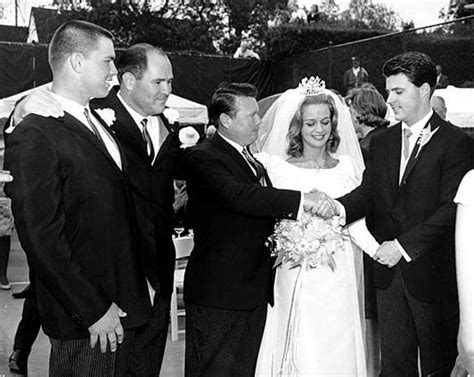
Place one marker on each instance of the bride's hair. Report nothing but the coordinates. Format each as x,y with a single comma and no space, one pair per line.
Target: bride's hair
295,141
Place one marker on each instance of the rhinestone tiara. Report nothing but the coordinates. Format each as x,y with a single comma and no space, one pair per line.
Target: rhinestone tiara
312,86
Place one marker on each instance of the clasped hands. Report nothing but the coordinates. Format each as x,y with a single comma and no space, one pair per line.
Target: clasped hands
320,204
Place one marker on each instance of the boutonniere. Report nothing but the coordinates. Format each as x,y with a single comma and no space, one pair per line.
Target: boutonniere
172,115
425,137
107,115
188,136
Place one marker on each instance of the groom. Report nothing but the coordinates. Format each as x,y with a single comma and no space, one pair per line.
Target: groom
228,280
407,191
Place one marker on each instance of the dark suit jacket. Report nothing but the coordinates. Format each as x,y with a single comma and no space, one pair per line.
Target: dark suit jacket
230,267
74,222
352,81
420,212
152,191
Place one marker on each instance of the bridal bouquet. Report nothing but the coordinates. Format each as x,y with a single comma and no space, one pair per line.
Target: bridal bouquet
311,241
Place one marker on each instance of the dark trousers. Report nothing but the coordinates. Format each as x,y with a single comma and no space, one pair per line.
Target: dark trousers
407,324
146,355
76,358
5,242
222,342
30,324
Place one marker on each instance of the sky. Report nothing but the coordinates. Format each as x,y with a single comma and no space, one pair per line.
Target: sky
422,12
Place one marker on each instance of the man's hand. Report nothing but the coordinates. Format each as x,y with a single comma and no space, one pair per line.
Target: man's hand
39,102
388,254
108,328
320,204
5,176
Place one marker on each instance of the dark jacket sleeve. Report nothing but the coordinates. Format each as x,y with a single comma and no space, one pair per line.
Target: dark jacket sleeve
210,175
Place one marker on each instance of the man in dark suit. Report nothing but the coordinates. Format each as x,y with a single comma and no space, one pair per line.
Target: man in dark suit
354,77
412,175
71,205
133,111
233,207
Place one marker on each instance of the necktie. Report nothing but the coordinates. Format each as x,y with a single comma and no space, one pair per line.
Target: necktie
93,127
147,138
257,166
406,143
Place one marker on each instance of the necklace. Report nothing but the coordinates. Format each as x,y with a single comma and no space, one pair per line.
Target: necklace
312,164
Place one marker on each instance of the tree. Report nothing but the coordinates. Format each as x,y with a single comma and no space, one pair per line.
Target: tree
369,15
457,9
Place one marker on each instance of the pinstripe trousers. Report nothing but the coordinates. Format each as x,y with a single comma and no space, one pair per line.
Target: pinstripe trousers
76,358
408,325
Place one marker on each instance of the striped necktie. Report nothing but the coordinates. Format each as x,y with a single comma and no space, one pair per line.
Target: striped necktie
147,138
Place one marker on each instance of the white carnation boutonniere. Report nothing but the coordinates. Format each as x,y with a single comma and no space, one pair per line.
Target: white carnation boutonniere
188,136
425,137
107,115
172,115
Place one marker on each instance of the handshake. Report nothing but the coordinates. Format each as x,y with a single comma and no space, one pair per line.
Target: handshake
320,204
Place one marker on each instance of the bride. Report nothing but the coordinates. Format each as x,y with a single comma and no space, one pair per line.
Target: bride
315,326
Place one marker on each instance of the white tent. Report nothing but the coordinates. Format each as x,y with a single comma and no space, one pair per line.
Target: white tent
460,105
189,112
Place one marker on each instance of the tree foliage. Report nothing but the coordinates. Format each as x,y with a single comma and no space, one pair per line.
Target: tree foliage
366,14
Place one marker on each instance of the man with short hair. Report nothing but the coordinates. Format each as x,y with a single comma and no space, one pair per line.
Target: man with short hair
354,77
134,112
72,212
229,279
413,172
442,81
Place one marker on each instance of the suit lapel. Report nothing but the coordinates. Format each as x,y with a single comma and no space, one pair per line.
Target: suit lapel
112,134
81,129
434,122
167,133
395,150
234,155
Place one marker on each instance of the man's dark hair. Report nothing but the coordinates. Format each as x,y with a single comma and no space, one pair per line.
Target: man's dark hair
74,36
223,99
417,66
134,60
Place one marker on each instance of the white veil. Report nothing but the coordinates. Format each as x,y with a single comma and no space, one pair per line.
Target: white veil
273,132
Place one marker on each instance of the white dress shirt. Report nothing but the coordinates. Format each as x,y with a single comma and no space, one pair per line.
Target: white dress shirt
77,111
153,125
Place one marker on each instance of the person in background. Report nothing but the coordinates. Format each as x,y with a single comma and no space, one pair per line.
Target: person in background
465,278
244,52
6,226
354,77
297,15
439,106
368,110
313,15
442,81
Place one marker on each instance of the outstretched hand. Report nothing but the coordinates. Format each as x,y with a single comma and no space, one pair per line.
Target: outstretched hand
108,329
39,102
320,204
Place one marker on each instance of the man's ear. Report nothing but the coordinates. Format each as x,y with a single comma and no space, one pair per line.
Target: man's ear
425,89
129,80
76,60
225,120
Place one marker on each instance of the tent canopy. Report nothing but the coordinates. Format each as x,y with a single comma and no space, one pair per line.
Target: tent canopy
189,112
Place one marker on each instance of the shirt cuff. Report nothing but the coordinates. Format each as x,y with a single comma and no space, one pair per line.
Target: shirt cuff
342,213
11,126
300,208
402,251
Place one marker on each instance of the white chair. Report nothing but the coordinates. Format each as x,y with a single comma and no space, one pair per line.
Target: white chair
184,246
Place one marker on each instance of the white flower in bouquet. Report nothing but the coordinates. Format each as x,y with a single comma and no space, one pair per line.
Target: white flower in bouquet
172,115
311,241
188,136
107,115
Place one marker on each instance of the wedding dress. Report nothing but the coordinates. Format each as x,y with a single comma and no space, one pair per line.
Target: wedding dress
326,323
315,327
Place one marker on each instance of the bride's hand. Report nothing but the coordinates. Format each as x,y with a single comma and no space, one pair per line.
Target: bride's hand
320,204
